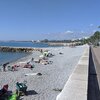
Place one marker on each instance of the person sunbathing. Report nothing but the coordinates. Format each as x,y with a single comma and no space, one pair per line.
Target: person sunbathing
4,90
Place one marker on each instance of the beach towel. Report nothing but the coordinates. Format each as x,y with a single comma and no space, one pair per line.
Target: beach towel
30,74
13,97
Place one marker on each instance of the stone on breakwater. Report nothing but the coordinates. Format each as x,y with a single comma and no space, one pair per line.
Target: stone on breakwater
18,49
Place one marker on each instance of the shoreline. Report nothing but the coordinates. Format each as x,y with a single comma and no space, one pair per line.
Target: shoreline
26,58
13,59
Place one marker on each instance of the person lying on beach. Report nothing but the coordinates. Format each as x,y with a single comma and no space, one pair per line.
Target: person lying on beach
4,90
14,68
29,66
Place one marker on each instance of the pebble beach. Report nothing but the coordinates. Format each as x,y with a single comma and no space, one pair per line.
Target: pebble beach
54,75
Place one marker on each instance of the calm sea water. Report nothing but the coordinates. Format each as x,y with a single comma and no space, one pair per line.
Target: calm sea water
12,56
24,44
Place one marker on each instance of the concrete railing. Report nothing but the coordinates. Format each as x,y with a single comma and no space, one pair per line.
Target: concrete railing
77,85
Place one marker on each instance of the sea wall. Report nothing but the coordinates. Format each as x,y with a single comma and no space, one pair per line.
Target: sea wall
77,85
18,49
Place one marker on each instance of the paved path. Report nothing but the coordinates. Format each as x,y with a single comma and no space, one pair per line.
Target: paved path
76,86
94,74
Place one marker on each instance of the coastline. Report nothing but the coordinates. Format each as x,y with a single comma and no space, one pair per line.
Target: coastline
26,58
53,76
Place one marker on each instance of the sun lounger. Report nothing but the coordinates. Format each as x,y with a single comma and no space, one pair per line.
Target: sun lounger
31,74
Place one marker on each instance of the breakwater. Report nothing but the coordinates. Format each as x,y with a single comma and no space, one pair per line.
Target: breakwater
18,49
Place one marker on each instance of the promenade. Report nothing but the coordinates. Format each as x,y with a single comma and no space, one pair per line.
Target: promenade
84,83
77,85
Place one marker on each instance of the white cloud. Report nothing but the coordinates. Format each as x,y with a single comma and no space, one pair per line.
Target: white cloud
69,31
64,35
91,25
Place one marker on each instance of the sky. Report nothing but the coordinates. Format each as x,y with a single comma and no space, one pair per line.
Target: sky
48,19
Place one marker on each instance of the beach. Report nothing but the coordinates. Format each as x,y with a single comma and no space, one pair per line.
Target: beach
54,75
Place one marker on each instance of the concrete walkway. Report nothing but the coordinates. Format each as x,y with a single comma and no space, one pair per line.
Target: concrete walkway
77,84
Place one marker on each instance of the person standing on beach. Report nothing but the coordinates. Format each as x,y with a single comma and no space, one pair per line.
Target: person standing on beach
4,66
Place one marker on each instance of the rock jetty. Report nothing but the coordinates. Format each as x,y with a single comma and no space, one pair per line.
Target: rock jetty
18,49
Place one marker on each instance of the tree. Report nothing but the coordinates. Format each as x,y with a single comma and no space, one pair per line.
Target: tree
98,26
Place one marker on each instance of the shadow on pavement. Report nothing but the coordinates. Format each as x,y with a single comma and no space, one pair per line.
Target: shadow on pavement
93,86
31,92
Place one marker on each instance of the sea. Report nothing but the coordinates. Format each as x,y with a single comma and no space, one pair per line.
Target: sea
13,56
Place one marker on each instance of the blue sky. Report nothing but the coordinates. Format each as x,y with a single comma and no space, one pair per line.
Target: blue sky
51,19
